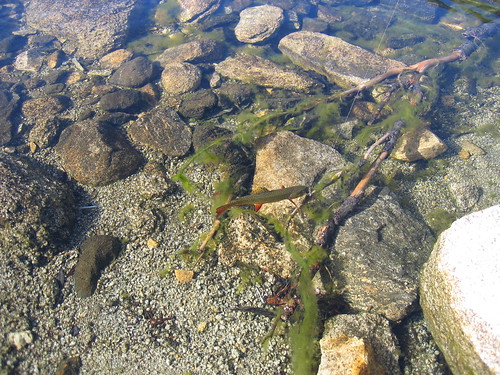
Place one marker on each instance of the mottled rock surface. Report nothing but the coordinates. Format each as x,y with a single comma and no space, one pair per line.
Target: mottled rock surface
198,104
97,252
196,51
460,292
126,100
377,258
105,157
194,10
95,27
7,106
258,23
341,62
262,72
178,78
36,210
358,344
162,130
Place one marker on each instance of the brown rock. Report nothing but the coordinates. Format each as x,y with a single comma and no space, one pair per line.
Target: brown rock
43,107
178,78
418,144
196,51
184,276
115,59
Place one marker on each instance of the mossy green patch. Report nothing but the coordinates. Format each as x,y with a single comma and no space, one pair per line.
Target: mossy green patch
440,220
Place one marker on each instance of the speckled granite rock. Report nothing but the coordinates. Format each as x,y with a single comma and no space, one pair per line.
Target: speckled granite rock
460,289
258,23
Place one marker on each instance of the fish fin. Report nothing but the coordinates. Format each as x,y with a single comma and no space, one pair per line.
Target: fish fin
220,210
257,206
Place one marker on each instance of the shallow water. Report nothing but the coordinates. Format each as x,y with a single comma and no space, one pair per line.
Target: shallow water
115,331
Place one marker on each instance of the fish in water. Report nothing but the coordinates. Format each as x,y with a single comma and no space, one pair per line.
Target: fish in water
265,197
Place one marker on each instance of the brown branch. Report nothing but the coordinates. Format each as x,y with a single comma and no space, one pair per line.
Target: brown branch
325,232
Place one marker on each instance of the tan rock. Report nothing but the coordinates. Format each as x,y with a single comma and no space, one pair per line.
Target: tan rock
115,59
418,144
178,78
343,355
184,276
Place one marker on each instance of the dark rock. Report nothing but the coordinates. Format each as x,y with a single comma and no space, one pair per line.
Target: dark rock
12,43
234,94
196,51
36,210
198,104
421,354
134,73
93,26
367,24
262,72
377,258
421,9
404,40
69,366
7,106
126,100
312,24
162,130
56,88
97,154
97,253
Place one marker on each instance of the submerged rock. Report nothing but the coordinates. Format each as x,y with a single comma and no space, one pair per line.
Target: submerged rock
97,252
36,212
133,73
377,258
178,78
97,154
341,62
358,344
8,103
126,100
258,23
194,10
418,144
94,26
196,51
162,130
460,289
259,71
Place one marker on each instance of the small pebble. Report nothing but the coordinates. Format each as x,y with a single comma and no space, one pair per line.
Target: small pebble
184,276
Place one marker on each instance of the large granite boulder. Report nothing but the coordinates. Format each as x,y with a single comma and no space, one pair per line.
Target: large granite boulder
94,26
460,289
258,23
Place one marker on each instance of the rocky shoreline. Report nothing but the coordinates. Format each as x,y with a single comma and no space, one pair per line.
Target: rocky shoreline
112,162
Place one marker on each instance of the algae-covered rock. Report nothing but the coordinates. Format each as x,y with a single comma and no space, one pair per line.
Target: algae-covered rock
97,252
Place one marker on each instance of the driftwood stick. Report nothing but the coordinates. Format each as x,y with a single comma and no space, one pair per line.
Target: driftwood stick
325,232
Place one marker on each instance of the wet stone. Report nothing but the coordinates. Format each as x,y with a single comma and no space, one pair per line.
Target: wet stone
179,78
404,40
133,73
196,51
258,23
198,104
30,61
381,249
97,252
7,106
418,144
105,157
12,43
126,100
37,211
162,130
115,59
44,107
45,131
194,10
234,94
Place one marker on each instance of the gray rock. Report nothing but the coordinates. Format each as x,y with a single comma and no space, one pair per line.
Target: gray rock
30,60
370,332
7,105
105,155
97,252
377,258
12,43
341,62
134,73
258,23
36,210
196,51
198,104
404,40
259,71
94,26
195,10
178,78
419,9
162,130
126,100
460,290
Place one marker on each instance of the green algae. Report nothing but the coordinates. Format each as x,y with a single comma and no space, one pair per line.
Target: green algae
440,220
